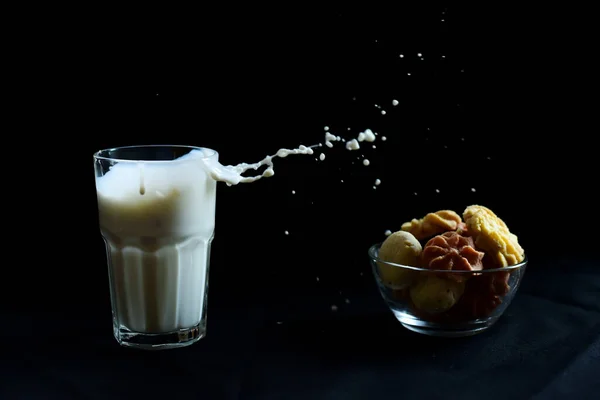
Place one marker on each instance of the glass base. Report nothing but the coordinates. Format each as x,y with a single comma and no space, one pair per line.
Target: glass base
160,341
467,328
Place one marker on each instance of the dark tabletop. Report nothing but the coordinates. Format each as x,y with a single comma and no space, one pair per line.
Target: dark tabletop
546,346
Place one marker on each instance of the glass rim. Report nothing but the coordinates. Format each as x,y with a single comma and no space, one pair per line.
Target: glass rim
376,246
98,156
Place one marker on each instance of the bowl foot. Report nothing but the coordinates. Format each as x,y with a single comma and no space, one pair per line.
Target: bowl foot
468,328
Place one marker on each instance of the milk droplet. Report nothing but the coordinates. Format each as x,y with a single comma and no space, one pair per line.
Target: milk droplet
387,232
325,128
415,193
472,189
334,308
347,301
408,74
419,54
489,158
279,322
286,232
269,172
377,182
383,138
368,135
366,163
443,56
352,145
318,279
341,180
383,112
437,190
374,187
401,55
394,102
322,156
374,146
462,139
293,192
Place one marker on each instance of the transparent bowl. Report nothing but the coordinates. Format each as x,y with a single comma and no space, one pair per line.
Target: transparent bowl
445,303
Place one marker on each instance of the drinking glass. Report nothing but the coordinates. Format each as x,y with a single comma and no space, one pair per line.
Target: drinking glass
156,209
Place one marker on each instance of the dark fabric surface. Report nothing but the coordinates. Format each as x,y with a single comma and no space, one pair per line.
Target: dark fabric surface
546,346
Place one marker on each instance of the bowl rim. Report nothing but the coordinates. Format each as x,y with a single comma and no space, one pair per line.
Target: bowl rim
376,246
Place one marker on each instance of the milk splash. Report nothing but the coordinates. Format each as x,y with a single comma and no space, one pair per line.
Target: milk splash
232,174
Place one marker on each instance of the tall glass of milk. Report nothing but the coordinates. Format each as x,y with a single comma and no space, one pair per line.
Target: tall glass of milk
156,207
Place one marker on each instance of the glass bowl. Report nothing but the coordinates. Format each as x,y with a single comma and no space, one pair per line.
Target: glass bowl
445,303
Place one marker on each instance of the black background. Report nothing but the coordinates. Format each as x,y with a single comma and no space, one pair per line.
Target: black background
487,107
475,112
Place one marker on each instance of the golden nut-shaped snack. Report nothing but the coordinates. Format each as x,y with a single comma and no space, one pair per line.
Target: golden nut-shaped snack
433,224
436,295
399,248
493,236
452,251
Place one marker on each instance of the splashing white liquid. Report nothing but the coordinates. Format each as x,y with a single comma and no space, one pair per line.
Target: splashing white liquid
366,163
377,182
395,102
352,145
367,135
330,138
232,174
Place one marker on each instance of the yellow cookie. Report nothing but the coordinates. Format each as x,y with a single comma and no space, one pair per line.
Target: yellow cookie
433,224
399,248
436,295
493,236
